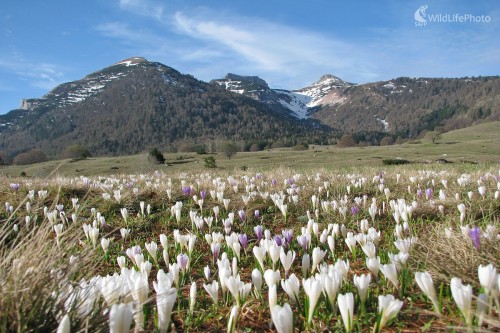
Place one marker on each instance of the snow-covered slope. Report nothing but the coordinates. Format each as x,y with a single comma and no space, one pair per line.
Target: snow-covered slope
78,91
299,103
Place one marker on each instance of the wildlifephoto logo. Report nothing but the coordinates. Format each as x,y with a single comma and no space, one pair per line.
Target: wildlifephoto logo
422,18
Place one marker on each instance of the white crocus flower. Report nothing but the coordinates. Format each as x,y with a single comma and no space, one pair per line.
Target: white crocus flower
287,259
282,317
424,281
362,282
390,273
213,290
317,257
291,286
346,307
257,280
313,288
462,294
388,309
487,277
120,318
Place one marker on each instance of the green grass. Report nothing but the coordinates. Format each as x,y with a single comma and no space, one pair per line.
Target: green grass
473,145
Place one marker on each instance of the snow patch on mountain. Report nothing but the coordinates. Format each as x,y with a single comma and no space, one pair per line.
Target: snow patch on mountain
324,92
132,61
296,103
299,102
86,89
384,122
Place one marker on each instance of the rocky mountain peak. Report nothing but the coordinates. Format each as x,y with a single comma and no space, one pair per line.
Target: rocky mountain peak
132,61
330,81
249,79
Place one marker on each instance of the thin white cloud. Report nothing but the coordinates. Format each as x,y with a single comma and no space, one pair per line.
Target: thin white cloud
40,75
129,35
143,7
209,44
435,51
268,46
202,37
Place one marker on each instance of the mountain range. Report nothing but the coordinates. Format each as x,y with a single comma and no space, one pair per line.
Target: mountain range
136,104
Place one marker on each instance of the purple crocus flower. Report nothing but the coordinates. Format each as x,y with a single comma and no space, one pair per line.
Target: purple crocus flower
475,235
302,240
257,214
131,252
288,235
186,190
354,210
203,194
290,181
278,240
241,214
215,247
419,193
15,186
428,193
274,182
243,241
182,261
259,232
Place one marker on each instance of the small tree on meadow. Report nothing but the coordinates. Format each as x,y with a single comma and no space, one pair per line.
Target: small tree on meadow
434,136
76,152
229,149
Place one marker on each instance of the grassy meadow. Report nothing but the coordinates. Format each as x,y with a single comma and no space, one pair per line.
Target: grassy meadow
323,240
473,145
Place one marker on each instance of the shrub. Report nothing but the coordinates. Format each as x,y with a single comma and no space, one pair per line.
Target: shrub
210,162
156,156
301,146
76,152
200,149
395,161
30,157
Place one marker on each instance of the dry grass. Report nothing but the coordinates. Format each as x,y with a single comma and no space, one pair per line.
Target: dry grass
36,277
445,257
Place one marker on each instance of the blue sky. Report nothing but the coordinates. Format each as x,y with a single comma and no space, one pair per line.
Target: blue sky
290,44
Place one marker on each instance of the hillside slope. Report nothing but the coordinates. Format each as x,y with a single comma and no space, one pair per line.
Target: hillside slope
135,105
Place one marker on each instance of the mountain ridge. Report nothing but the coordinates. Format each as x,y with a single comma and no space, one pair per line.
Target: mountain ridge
135,104
131,107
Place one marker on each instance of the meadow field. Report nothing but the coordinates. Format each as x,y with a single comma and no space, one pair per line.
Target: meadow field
469,146
323,240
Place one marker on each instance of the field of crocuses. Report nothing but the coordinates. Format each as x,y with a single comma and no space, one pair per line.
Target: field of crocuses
401,250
